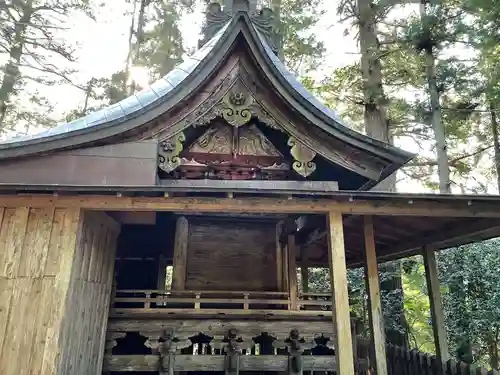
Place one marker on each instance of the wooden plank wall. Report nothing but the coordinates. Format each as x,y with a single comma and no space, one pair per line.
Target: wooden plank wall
85,322
133,163
40,250
236,255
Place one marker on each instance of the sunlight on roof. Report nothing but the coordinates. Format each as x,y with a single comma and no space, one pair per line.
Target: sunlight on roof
140,76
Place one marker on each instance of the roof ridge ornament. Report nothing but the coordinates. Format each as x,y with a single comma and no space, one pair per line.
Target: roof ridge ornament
216,16
234,6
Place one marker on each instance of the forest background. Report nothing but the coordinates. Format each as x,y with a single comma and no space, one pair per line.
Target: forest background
421,75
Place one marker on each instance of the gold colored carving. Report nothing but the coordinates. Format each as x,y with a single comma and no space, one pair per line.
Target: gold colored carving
303,157
216,140
168,158
236,110
251,141
224,139
237,107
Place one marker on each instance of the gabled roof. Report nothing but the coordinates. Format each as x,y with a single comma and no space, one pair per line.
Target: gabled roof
178,85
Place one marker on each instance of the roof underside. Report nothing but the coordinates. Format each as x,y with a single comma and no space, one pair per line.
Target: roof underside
180,84
470,218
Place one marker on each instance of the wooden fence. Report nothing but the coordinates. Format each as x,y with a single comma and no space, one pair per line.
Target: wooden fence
184,300
401,361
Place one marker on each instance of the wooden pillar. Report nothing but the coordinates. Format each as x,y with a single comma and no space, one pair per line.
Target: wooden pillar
304,274
286,283
279,258
374,302
292,271
340,297
437,313
304,270
162,272
180,254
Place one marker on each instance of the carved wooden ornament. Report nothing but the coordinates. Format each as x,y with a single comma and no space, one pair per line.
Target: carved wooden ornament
236,110
303,157
170,149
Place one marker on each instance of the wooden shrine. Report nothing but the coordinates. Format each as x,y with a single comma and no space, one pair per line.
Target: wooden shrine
174,231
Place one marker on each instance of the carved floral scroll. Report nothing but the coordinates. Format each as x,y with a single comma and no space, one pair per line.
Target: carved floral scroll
169,151
303,157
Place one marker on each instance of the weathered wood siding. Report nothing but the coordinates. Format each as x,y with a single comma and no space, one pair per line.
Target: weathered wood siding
237,255
85,321
42,301
133,163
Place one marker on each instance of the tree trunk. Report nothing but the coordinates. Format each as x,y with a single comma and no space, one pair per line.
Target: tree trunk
493,352
375,116
377,126
276,7
130,48
496,142
437,124
12,73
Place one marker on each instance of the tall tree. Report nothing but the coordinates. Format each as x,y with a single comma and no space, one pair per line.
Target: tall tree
30,42
299,47
160,47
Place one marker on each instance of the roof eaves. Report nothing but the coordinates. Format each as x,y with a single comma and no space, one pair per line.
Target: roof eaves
129,107
337,126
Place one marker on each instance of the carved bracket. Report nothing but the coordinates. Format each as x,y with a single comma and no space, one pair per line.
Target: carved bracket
168,154
111,340
303,157
295,351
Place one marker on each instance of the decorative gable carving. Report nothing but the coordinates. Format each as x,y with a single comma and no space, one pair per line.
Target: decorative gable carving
227,152
233,141
238,106
247,141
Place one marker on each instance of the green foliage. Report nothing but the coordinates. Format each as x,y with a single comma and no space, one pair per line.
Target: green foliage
471,283
34,53
417,305
160,48
300,47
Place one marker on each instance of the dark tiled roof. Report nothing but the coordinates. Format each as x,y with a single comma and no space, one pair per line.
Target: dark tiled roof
142,100
135,103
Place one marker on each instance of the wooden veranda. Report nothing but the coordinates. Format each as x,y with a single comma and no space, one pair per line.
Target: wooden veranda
184,312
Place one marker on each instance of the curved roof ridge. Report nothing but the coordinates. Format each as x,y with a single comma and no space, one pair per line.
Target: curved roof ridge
136,102
297,86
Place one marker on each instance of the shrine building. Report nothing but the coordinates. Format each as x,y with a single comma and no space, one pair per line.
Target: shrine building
174,231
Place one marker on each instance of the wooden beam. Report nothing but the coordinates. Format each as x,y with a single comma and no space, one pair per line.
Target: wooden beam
292,270
128,363
340,295
437,313
180,254
374,303
393,205
248,186
251,326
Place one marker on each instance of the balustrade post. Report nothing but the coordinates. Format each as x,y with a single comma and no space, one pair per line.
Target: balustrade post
197,304
246,305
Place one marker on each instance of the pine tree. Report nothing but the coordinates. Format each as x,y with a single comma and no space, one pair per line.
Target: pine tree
30,42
